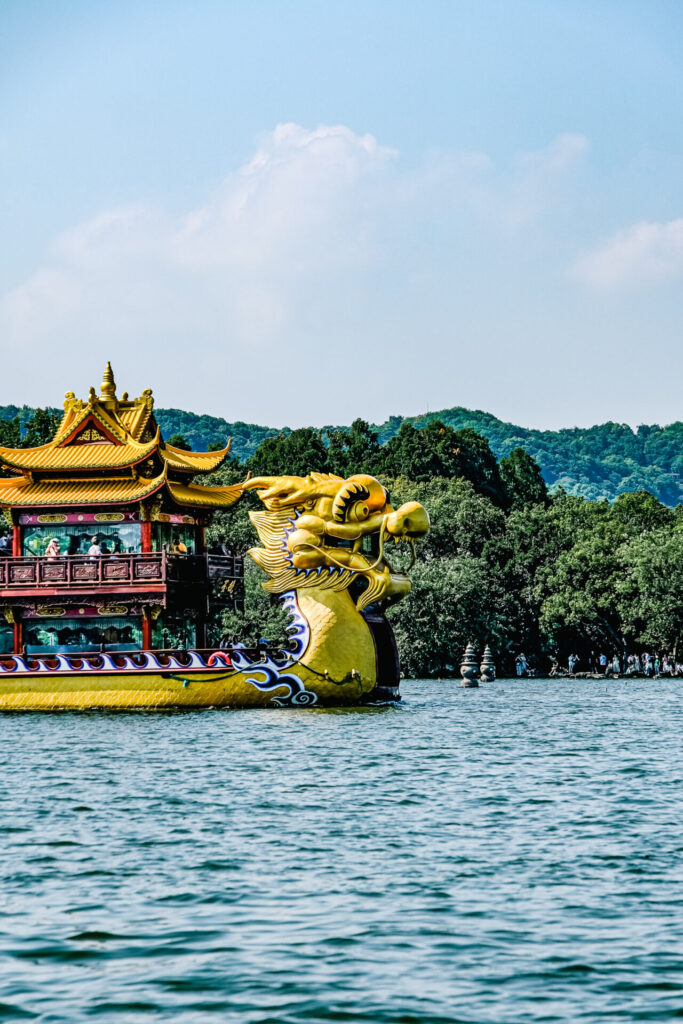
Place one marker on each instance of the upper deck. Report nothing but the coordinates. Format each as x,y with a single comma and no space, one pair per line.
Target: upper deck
82,575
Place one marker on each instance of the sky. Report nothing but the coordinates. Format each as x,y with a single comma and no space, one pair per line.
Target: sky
303,212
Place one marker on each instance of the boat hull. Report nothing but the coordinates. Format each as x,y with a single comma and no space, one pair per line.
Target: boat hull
153,691
334,657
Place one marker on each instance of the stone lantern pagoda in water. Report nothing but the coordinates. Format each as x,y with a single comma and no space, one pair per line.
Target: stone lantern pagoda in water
117,520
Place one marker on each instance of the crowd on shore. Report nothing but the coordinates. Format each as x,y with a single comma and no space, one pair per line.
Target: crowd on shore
645,665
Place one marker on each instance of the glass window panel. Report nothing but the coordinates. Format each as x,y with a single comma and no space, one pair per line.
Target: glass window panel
62,636
76,538
173,538
6,639
173,634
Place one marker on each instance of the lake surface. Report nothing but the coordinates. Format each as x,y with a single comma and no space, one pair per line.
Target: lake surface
507,854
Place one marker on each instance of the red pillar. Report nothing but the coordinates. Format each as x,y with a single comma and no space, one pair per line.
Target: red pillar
201,541
146,630
16,541
146,537
18,635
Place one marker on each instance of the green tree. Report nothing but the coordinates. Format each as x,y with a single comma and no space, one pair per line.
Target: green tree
354,451
452,601
178,441
439,451
40,428
463,522
522,480
650,591
294,454
579,586
10,432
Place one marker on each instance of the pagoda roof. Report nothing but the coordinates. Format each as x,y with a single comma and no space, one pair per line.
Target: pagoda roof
108,433
26,492
193,462
204,497
109,437
56,457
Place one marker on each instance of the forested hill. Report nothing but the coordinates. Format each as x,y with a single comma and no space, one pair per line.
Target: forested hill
596,462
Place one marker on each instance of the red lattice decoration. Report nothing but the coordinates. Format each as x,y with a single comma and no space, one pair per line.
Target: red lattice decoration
54,573
116,571
148,571
85,572
23,574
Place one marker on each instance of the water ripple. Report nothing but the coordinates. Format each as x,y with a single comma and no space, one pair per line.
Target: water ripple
510,855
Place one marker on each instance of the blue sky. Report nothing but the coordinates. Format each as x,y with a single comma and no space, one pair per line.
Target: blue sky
305,212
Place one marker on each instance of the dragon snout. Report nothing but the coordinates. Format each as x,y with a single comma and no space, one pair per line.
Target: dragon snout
410,520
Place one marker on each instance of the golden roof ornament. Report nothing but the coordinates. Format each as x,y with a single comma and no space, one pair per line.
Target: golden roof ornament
108,386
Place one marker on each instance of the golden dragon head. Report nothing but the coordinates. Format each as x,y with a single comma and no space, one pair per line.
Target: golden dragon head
326,532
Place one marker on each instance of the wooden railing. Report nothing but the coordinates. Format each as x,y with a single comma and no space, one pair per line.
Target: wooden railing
116,570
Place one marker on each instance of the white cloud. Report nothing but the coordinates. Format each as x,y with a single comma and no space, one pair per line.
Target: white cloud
310,256
642,254
509,198
296,206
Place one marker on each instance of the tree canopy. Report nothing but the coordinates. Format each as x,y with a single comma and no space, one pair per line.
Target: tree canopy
595,462
506,562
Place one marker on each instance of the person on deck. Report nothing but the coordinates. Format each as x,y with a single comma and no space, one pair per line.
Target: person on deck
94,551
53,550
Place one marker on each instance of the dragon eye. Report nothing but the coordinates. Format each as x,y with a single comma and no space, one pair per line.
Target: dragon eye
358,512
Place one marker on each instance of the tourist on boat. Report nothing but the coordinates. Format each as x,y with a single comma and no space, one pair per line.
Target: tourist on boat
94,551
53,551
5,546
177,547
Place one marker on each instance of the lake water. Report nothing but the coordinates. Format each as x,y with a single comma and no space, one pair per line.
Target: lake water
507,854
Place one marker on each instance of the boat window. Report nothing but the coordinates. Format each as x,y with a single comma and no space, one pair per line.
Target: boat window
171,634
67,635
174,538
6,639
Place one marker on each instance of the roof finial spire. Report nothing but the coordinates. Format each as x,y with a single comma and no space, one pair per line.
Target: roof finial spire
108,386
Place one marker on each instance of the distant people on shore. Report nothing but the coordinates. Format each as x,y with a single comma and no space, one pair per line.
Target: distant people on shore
521,664
651,665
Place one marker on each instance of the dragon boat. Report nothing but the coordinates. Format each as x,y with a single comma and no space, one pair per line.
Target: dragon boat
107,589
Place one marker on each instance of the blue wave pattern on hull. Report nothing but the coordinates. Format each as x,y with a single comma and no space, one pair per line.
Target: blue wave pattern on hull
64,663
273,672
